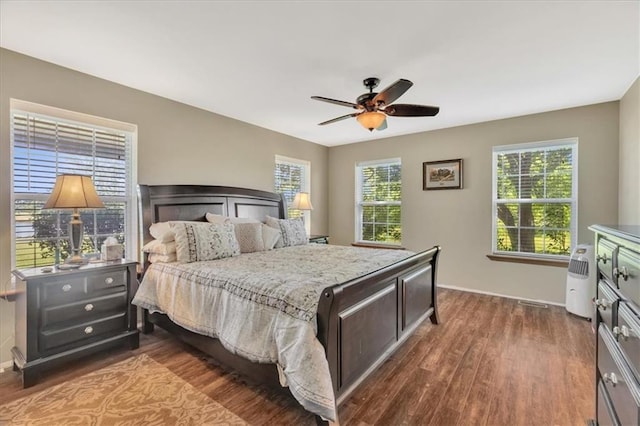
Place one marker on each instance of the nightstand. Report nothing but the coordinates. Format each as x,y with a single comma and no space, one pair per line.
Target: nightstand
64,315
319,239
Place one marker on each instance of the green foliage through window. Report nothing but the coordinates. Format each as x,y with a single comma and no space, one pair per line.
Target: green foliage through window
379,203
534,199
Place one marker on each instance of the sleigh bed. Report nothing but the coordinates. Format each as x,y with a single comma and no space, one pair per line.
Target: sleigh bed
358,323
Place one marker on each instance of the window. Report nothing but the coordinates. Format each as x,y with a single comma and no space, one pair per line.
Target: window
290,177
535,198
47,142
378,199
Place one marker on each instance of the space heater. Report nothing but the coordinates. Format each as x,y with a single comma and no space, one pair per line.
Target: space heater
581,286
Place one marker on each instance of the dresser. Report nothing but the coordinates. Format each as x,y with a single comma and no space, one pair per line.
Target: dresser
319,239
617,324
64,315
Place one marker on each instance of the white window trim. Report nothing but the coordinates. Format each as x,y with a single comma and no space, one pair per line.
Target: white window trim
358,204
528,147
131,214
306,184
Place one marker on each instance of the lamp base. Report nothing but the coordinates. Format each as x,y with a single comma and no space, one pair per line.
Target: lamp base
75,238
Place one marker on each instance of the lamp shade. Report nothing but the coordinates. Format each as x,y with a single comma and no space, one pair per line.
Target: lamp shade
371,119
73,192
302,201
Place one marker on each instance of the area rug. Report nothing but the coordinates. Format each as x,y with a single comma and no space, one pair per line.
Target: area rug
137,391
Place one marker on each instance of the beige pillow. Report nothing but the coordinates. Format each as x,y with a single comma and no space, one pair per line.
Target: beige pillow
199,241
249,236
216,218
162,258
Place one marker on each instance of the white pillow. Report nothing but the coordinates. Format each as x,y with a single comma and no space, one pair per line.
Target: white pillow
270,236
162,231
293,231
249,236
158,247
199,241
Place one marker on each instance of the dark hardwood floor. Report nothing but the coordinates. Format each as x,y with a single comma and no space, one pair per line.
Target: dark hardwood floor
491,361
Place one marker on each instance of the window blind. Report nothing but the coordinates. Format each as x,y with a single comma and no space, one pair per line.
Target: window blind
44,147
379,213
291,177
535,198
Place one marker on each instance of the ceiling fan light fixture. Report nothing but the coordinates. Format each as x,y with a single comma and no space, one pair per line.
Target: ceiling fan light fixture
371,119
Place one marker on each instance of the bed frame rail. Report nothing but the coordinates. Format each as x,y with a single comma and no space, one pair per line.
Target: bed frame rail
361,322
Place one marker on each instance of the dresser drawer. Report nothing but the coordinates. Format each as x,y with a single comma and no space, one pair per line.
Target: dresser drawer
628,334
620,383
604,256
63,291
53,338
607,304
84,310
627,271
606,414
111,281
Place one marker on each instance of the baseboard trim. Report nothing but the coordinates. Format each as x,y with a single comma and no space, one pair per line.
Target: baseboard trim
6,366
488,293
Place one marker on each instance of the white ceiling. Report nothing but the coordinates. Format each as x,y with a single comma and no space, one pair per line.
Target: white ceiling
260,61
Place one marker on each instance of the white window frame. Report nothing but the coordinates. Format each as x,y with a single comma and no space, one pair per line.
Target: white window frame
306,184
359,204
58,114
529,147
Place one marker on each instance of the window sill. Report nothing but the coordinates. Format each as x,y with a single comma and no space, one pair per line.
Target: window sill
529,260
378,245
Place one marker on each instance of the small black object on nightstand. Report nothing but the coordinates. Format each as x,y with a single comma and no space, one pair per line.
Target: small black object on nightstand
319,239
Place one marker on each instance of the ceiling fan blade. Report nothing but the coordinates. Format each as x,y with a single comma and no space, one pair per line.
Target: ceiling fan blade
393,92
333,120
337,102
409,110
383,125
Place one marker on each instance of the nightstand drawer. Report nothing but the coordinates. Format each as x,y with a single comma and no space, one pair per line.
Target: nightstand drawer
604,257
628,274
63,291
85,310
50,339
107,281
607,305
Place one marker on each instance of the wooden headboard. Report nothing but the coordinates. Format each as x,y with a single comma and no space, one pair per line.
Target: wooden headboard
160,203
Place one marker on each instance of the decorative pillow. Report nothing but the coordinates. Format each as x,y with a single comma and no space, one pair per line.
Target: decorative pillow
270,236
163,258
216,218
198,241
293,231
158,247
162,231
249,236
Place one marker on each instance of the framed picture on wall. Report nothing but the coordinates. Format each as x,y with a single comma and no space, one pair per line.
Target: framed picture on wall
444,174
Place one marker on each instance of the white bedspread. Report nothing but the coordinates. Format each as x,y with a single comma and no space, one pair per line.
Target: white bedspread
262,306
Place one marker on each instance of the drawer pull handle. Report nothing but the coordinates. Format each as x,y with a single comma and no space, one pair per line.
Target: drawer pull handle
602,258
621,331
611,378
602,304
621,272
66,288
88,307
108,280
88,330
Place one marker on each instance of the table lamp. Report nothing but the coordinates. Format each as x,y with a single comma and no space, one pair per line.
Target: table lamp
74,192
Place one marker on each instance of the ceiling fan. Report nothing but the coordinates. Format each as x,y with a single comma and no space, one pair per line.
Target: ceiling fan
375,107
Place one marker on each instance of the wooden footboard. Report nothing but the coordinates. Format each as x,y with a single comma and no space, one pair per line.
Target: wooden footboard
361,322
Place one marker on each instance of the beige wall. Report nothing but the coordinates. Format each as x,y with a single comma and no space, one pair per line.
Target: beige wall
629,178
460,220
176,144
